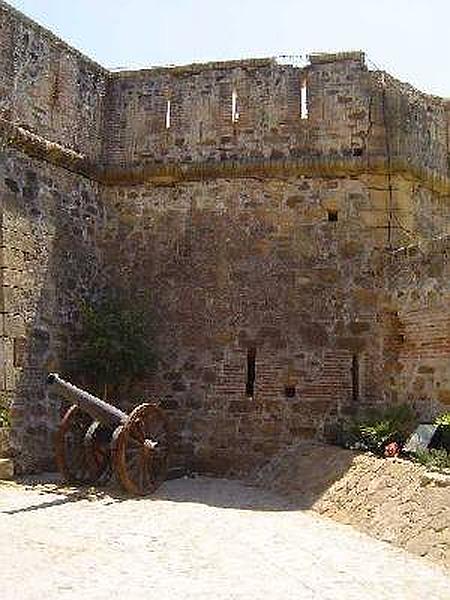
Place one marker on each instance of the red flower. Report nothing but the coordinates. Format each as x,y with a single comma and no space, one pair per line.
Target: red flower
392,449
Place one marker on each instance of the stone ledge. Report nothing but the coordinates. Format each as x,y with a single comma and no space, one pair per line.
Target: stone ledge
35,146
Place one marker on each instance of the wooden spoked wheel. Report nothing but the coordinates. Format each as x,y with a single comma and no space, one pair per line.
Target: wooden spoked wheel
141,453
82,455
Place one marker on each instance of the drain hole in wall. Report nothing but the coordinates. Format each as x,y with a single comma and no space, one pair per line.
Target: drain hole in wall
289,391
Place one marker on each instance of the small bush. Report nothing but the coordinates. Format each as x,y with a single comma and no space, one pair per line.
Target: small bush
375,429
443,424
435,458
443,420
116,344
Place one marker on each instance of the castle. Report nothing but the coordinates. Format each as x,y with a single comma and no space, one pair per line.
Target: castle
288,226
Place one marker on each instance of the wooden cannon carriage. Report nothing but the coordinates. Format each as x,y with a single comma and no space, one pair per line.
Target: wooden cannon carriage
96,438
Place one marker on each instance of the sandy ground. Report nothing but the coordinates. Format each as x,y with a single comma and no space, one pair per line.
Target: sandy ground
195,539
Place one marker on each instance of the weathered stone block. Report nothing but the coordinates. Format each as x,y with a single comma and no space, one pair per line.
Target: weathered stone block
6,468
444,396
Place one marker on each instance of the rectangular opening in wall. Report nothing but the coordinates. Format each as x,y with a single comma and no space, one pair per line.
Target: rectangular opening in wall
355,378
332,216
289,391
251,372
234,107
168,115
19,351
304,100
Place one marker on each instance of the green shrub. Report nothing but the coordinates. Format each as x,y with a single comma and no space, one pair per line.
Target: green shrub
435,458
443,420
374,429
443,423
115,345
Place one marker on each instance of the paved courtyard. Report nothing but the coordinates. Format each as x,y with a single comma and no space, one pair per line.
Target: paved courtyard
196,539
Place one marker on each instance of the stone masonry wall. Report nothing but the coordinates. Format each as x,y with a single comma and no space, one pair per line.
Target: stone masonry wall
267,111
248,111
237,266
50,260
260,209
47,87
417,126
241,266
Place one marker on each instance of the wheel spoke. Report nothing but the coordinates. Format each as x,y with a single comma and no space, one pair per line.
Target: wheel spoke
141,468
80,451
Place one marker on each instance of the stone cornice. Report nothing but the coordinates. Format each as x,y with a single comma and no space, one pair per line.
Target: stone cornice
39,148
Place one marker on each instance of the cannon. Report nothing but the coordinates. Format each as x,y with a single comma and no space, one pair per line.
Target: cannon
96,438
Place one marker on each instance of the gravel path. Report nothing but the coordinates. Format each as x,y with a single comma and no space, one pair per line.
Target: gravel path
196,539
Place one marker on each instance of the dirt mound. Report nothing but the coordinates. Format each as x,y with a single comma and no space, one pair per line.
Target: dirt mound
391,499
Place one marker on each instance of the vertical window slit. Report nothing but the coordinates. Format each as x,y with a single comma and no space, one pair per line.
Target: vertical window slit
304,100
355,378
234,107
251,372
333,216
168,114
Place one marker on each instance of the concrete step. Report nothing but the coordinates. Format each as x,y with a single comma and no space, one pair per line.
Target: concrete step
6,468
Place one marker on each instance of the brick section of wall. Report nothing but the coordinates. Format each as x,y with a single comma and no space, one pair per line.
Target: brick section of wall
423,354
418,348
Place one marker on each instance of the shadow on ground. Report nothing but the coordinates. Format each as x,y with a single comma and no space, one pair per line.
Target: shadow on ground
309,469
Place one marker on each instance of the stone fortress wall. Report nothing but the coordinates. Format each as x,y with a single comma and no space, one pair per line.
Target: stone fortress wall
288,227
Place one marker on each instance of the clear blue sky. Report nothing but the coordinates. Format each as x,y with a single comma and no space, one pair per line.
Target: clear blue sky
408,38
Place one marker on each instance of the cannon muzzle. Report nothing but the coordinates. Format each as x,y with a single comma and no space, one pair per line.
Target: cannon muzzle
51,378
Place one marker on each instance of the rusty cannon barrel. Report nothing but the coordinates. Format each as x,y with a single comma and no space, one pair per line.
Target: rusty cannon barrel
98,409
96,438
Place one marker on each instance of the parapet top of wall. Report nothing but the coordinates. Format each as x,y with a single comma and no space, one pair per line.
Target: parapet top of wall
332,108
246,63
317,58
8,11
193,68
418,124
238,110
